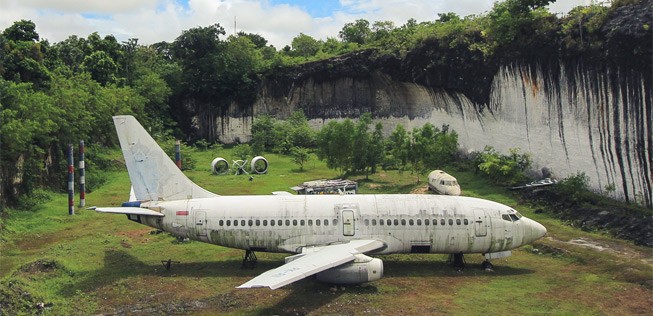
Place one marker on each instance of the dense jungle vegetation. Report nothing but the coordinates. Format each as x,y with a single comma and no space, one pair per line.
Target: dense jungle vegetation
53,94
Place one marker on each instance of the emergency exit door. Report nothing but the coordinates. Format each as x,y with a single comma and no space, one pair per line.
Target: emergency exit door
348,224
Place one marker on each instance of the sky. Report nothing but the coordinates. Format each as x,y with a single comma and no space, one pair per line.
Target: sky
279,21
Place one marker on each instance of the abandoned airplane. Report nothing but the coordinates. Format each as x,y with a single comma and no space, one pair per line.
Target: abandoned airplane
331,236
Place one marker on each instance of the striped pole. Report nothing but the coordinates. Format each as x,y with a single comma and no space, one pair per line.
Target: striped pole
178,153
82,175
71,181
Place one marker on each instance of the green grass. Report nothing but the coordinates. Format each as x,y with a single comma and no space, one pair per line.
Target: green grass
106,264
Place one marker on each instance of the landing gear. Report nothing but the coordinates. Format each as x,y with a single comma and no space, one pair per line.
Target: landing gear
249,261
457,260
487,266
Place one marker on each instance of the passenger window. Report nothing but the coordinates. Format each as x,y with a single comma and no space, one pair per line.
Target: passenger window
411,222
389,222
335,222
235,222
442,222
317,222
419,222
242,222
302,222
403,222
272,223
294,222
458,222
450,221
381,222
373,222
396,222
265,222
326,222
466,222
426,222
287,222
367,222
228,222
258,222
221,223
310,222
279,223
250,222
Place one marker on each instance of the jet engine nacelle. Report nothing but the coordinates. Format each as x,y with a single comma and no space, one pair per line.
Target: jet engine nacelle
362,269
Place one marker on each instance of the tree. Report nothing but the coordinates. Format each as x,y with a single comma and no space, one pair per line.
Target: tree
263,139
21,31
258,40
101,67
398,144
356,32
447,17
360,157
300,156
21,56
335,144
382,30
376,149
305,45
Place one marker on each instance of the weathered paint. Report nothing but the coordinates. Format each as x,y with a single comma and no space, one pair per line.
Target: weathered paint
470,225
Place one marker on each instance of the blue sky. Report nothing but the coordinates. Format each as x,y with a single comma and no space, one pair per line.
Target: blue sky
279,21
316,9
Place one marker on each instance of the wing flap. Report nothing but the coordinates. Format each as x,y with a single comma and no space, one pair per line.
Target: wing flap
315,260
128,210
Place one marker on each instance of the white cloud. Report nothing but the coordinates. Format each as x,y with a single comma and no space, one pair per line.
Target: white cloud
163,20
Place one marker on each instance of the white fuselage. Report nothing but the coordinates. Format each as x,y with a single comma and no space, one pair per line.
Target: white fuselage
405,223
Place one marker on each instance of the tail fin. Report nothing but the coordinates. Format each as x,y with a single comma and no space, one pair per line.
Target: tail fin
153,175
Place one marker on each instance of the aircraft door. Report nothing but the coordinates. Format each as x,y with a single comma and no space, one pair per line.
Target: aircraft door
200,225
348,223
480,223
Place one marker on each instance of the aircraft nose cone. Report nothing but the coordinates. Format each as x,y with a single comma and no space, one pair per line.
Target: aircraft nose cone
533,231
539,230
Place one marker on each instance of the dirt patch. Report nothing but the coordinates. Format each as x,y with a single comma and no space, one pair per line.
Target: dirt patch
136,236
420,190
612,248
40,266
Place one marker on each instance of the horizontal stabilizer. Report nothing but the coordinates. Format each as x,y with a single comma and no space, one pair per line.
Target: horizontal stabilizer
128,210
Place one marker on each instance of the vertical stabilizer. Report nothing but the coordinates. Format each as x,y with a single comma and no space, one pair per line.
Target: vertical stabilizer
154,176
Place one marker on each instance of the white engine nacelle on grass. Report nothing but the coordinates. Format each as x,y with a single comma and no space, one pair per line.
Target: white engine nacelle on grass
219,166
362,269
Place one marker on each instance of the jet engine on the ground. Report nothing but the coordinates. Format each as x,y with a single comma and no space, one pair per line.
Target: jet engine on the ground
362,269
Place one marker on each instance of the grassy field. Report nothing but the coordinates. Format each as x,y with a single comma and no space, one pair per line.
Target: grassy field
98,263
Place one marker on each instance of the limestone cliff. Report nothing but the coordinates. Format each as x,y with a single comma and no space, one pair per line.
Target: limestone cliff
586,113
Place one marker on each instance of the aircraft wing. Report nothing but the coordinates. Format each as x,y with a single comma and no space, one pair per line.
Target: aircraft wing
312,261
128,210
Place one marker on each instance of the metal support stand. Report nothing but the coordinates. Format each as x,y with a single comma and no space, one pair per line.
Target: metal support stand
457,260
487,266
168,263
249,261
239,166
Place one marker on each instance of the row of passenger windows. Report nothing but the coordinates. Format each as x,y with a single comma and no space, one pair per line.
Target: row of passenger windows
278,222
418,222
325,222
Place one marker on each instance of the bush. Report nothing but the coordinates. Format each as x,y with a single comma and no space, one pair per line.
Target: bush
504,169
575,187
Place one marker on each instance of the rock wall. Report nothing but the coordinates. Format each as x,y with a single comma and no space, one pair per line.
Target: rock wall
595,121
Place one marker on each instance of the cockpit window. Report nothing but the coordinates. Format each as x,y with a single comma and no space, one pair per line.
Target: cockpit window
514,217
506,217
